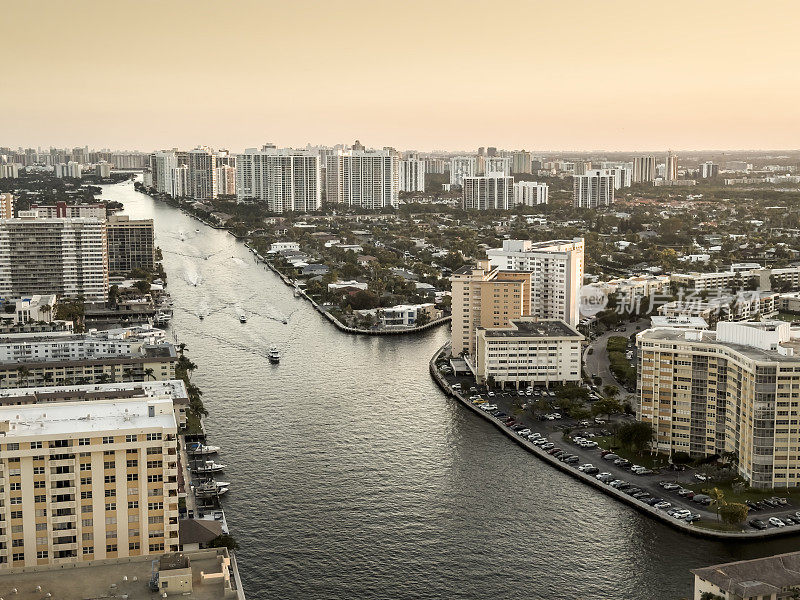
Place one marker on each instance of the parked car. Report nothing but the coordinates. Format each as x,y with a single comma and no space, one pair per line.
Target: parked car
776,522
663,505
758,524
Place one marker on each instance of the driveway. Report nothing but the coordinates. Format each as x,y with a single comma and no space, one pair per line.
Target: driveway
597,362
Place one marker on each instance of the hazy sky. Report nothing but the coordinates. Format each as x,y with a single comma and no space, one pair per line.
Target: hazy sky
433,74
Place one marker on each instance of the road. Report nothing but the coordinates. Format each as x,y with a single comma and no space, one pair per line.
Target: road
597,362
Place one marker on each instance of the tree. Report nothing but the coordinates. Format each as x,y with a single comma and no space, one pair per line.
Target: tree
149,373
423,318
610,390
22,375
364,300
733,513
606,406
636,435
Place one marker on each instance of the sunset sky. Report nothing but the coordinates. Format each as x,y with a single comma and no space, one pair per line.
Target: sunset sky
427,75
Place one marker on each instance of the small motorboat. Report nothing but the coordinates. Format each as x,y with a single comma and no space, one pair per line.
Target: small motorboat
201,317
242,319
197,230
285,322
274,355
208,467
201,449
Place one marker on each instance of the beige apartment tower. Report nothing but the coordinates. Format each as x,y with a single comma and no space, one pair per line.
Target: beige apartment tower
87,480
733,390
485,297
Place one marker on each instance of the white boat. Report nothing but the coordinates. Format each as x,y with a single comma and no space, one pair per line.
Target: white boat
209,467
274,355
201,449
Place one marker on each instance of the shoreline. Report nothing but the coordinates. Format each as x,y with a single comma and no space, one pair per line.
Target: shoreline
654,513
288,282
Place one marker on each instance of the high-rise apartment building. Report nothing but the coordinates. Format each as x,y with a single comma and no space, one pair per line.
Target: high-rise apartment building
485,297
365,179
556,274
671,166
460,167
283,178
62,210
708,170
6,206
498,164
163,165
87,479
733,390
226,180
103,169
70,169
594,189
202,174
131,244
581,167
623,176
10,171
412,175
530,193
436,165
521,162
644,169
488,192
68,257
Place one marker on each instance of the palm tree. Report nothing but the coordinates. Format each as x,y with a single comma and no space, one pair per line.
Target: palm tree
718,499
181,348
104,377
22,375
149,373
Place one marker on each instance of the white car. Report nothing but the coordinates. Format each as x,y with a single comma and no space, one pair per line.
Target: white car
524,432
490,394
776,522
662,505
588,444
681,514
586,466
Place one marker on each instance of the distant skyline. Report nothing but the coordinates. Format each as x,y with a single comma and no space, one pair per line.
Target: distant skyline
446,75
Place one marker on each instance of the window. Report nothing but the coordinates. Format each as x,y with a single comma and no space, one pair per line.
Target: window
151,437
84,441
133,463
34,446
153,548
109,464
86,481
111,478
41,554
87,522
113,547
87,508
88,549
150,506
133,546
14,446
133,477
130,438
16,514
21,556
133,504
86,495
108,439
86,467
38,470
111,493
39,485
40,498
111,506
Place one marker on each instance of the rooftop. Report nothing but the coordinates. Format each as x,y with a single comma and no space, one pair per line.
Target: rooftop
757,577
128,577
173,389
64,418
544,328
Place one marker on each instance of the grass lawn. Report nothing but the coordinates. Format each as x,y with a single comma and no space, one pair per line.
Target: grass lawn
651,461
754,494
712,523
783,316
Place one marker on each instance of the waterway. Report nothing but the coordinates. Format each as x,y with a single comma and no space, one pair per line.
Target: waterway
354,477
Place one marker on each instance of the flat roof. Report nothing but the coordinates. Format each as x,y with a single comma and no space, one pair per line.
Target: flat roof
169,388
129,576
59,418
671,334
546,328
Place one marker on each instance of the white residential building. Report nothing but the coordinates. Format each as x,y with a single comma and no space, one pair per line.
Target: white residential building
498,164
35,308
283,178
644,169
671,167
594,189
70,169
460,167
368,179
10,170
527,352
488,192
623,176
556,269
68,257
412,175
163,165
226,180
530,193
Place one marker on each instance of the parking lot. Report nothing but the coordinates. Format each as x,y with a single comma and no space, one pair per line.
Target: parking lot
677,493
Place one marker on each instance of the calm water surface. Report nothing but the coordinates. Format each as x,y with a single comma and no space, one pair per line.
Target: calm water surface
354,477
